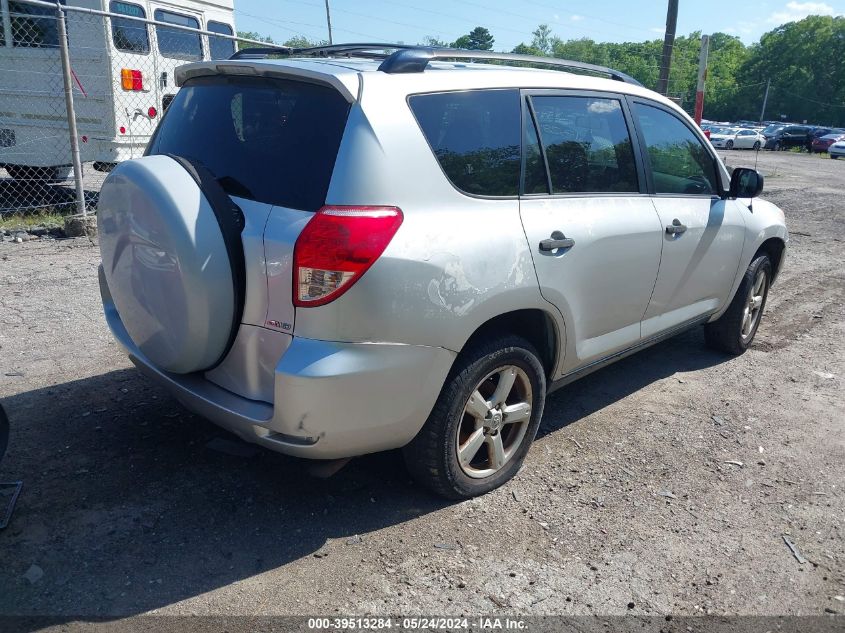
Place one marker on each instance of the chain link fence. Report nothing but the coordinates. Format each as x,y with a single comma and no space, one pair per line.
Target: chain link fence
82,89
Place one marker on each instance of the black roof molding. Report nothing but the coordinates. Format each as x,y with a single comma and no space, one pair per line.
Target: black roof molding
415,60
403,59
377,49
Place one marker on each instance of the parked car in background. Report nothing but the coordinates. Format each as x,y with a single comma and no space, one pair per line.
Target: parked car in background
723,137
820,144
772,128
790,136
837,149
733,138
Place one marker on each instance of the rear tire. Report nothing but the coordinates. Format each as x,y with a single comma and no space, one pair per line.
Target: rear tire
734,331
492,448
729,145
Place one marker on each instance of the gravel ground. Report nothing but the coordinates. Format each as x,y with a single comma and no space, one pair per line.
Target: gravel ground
661,485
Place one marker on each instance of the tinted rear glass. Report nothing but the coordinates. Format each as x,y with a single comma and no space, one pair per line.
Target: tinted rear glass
475,136
269,140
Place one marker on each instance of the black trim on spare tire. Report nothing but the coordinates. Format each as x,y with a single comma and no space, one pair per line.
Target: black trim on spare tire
231,221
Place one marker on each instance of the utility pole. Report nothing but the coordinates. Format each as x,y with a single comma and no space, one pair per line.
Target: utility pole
329,21
702,78
765,100
668,45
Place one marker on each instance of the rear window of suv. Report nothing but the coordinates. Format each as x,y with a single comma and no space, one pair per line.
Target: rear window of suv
475,136
269,140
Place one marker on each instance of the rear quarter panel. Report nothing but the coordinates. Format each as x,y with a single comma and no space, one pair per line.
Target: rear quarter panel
456,262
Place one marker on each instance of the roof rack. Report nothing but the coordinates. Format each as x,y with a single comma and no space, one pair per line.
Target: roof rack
377,50
415,59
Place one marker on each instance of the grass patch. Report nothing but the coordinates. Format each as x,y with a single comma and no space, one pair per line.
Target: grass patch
48,218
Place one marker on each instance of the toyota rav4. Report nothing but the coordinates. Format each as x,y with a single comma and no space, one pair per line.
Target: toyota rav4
343,250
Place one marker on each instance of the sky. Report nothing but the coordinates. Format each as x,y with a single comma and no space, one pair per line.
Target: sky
512,21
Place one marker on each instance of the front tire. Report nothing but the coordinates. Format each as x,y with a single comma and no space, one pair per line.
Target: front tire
734,331
756,146
483,422
729,145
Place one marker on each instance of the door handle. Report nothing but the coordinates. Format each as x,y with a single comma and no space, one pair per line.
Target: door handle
676,228
557,240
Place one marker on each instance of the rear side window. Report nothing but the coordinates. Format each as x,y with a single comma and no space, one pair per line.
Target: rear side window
587,144
270,140
475,136
178,43
220,47
680,163
129,35
32,26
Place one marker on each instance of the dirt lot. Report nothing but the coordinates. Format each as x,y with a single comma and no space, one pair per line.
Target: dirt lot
627,502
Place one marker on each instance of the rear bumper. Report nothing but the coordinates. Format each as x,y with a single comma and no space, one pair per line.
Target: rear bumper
331,400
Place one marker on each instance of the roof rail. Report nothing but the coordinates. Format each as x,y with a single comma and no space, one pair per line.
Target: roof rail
371,49
416,59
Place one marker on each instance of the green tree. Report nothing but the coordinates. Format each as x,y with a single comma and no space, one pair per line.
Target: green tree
300,41
430,40
479,39
542,41
252,35
525,49
805,61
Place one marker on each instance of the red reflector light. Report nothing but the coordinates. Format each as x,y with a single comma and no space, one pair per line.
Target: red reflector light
122,130
131,79
336,248
152,112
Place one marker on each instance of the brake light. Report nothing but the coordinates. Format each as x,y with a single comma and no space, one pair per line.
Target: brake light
131,79
336,248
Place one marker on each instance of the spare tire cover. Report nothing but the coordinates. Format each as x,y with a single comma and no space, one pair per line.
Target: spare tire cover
166,264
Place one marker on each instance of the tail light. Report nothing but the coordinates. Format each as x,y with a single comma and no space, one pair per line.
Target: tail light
336,248
131,79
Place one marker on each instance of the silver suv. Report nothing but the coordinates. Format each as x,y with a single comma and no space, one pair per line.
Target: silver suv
367,247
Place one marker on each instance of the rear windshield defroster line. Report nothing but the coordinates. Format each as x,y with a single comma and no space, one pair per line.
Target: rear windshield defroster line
265,139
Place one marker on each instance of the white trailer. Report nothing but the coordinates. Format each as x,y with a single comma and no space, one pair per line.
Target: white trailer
122,57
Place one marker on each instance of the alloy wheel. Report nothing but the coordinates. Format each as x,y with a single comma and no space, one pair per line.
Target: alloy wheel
754,305
494,421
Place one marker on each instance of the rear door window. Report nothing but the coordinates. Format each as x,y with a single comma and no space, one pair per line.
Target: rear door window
178,43
587,144
475,135
129,35
269,140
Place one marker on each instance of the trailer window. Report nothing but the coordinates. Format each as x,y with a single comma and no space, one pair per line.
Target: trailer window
220,47
129,35
177,43
32,26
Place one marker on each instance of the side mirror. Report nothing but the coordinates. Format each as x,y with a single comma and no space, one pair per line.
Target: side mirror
745,183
